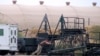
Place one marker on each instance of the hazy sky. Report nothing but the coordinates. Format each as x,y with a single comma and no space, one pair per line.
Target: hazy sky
53,2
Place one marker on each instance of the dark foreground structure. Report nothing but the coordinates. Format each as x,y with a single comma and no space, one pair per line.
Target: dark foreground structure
68,37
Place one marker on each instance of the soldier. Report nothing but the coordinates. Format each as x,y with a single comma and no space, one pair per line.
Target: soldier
40,46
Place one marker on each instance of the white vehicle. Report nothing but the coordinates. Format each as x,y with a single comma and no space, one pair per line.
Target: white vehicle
8,39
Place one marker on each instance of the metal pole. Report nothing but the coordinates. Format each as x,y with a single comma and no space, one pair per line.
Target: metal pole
26,32
45,27
75,23
67,22
78,23
83,23
88,21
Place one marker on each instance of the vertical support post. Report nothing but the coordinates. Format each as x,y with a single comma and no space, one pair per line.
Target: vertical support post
83,23
26,32
67,23
75,23
88,21
45,27
61,28
78,23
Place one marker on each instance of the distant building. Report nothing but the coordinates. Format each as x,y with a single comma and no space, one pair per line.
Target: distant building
31,16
